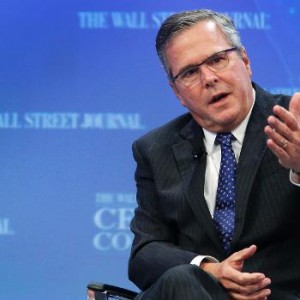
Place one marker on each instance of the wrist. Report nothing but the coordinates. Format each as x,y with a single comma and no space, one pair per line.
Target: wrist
207,265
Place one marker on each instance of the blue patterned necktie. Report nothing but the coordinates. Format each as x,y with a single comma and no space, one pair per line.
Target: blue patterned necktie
224,214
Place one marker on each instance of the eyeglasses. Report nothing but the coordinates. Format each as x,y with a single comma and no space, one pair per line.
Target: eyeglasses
189,76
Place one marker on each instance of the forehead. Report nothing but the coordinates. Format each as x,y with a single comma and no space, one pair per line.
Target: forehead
194,44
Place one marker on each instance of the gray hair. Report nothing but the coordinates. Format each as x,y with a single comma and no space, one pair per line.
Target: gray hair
184,20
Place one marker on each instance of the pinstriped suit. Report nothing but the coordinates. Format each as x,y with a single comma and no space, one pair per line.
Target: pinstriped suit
172,223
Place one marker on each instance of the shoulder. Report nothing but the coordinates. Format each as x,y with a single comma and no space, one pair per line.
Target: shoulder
267,100
165,134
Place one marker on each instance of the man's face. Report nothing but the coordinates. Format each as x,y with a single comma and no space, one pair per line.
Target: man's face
220,100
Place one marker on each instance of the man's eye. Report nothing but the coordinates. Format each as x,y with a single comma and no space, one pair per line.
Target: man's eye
216,60
190,72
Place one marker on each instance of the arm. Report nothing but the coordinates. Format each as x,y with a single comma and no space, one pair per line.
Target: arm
155,248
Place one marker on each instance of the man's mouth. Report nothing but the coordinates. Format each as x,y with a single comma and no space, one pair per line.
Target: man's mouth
218,97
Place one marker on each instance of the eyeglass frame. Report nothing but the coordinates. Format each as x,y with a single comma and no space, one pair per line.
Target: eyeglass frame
210,58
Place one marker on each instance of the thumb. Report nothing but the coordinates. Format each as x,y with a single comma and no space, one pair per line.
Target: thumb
294,106
237,259
244,253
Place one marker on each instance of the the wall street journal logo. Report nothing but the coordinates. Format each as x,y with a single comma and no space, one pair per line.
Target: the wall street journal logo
255,20
70,121
5,227
112,217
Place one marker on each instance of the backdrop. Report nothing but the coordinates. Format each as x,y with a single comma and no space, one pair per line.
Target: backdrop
80,81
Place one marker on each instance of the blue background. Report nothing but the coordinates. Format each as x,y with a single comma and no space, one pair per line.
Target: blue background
74,95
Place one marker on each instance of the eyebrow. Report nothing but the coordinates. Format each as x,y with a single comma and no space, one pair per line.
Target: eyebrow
187,67
190,66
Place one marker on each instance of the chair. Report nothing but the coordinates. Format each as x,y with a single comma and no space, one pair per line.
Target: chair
101,291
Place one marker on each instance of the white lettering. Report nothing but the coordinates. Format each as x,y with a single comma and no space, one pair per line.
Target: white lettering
5,227
9,120
113,218
51,120
102,241
111,121
71,120
159,17
104,218
104,197
250,20
89,20
105,241
126,198
125,216
113,222
136,20
143,20
128,121
121,241
93,121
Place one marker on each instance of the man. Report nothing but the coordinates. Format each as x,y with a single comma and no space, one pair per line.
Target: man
196,235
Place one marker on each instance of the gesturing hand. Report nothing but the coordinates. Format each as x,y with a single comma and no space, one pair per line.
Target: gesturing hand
240,285
283,132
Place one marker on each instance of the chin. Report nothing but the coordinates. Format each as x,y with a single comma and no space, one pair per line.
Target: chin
227,123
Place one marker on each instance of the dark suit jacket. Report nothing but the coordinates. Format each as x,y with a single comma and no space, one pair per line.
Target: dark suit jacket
172,223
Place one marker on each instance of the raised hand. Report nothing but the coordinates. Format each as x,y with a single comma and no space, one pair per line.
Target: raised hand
283,131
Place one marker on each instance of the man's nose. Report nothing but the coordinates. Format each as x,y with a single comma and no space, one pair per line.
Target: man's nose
208,77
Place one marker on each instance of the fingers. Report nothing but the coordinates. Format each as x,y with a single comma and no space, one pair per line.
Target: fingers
259,295
283,131
248,286
243,285
282,126
249,283
277,143
294,106
243,279
287,118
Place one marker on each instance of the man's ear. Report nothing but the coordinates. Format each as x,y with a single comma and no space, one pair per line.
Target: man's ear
177,92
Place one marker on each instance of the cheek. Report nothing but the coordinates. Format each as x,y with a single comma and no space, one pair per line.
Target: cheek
182,101
192,102
179,95
243,73
185,98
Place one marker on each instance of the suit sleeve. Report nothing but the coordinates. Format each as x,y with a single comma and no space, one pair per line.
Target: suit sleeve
154,247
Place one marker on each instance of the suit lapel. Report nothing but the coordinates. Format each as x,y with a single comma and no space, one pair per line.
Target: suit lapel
190,156
253,150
